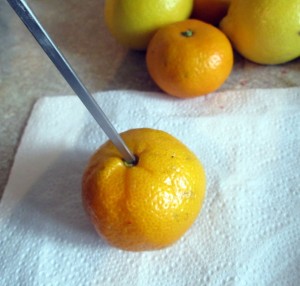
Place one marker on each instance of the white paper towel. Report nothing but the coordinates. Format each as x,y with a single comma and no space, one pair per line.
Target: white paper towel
248,232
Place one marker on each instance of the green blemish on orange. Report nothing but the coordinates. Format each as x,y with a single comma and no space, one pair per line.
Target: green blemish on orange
188,33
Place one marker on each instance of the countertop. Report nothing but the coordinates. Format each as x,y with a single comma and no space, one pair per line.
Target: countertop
77,27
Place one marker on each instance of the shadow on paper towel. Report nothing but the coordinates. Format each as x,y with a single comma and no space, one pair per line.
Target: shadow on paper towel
52,208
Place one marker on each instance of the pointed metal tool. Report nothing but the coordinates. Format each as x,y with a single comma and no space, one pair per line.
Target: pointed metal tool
32,23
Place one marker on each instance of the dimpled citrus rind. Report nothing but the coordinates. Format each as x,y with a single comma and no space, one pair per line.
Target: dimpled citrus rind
264,31
148,206
189,66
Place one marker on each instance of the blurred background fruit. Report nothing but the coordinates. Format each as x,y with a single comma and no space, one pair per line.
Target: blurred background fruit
264,31
210,11
133,22
189,58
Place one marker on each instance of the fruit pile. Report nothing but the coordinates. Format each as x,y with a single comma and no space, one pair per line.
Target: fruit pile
150,203
189,43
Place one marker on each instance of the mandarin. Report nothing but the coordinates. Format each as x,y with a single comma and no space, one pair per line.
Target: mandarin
189,58
148,205
210,11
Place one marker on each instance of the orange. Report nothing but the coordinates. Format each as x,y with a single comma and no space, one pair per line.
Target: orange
148,205
189,58
210,11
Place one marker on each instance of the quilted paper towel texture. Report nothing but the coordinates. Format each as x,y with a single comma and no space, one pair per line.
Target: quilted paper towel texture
248,232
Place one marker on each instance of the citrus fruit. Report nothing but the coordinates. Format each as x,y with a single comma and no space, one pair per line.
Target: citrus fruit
133,22
189,58
210,11
264,31
147,205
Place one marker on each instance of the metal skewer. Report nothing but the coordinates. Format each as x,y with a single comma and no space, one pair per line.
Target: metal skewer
32,23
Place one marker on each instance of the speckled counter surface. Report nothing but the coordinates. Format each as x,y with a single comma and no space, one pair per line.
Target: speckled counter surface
77,27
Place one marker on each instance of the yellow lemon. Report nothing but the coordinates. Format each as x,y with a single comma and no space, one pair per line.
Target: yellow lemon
133,22
264,31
